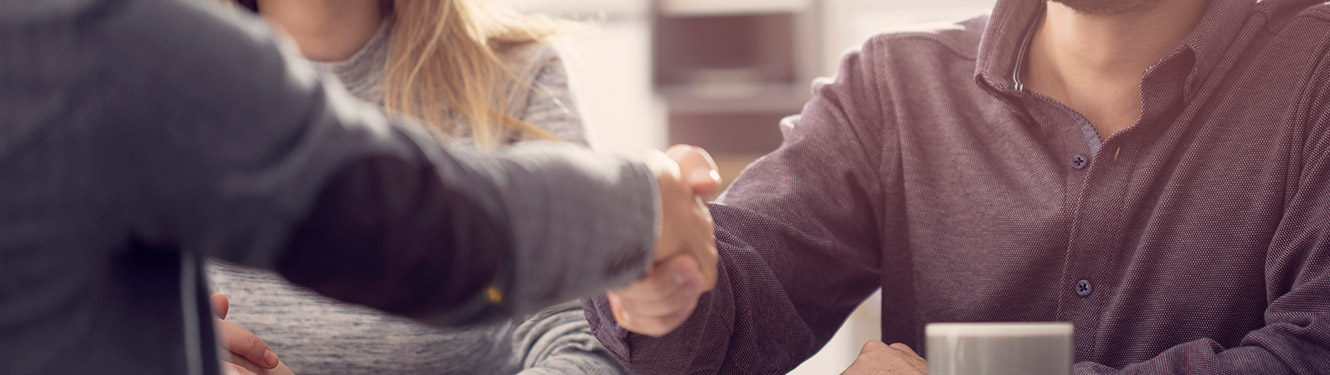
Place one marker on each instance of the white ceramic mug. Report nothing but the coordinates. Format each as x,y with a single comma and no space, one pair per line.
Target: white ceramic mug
999,348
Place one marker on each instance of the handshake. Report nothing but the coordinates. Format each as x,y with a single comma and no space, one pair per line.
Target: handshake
685,260
683,267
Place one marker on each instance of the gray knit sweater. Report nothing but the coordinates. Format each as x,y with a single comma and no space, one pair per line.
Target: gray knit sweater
316,335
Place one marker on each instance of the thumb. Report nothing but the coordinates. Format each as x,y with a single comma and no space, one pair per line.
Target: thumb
220,305
697,168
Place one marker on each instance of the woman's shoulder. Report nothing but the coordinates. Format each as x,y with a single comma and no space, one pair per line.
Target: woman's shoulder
541,94
530,59
536,66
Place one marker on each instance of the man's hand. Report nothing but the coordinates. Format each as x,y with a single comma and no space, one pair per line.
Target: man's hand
685,259
878,358
249,354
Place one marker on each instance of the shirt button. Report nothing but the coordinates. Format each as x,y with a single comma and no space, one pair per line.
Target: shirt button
1080,161
1083,288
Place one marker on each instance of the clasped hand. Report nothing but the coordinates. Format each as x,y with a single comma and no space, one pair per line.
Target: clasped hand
685,260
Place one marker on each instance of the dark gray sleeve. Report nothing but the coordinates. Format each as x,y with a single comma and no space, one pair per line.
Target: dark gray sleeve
241,152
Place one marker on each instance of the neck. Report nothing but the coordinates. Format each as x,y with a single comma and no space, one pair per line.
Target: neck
1094,63
325,30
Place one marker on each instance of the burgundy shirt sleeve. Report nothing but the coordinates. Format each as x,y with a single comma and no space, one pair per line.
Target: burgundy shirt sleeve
1296,337
798,241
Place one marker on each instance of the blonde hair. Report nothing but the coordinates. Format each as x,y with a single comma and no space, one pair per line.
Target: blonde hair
444,55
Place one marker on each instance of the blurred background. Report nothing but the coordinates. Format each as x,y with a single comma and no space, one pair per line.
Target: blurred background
721,74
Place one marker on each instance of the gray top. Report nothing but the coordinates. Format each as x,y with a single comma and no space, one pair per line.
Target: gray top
317,335
140,136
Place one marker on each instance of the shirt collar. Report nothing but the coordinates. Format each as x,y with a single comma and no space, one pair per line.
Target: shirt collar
1212,37
1005,41
1002,42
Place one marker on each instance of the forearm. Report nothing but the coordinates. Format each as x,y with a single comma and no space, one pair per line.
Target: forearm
292,174
1294,340
1264,355
438,235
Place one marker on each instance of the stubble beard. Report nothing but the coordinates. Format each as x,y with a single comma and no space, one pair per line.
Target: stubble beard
1109,7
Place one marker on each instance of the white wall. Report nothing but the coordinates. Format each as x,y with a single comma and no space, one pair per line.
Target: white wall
609,65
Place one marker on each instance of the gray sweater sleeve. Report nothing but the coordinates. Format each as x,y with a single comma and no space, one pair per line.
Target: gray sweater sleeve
559,341
253,159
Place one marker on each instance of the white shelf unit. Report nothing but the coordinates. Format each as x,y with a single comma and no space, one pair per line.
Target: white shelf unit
727,71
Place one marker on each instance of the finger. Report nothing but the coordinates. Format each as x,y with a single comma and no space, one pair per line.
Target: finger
697,168
664,279
656,314
659,162
903,348
220,305
657,326
232,369
706,259
701,245
907,355
704,266
872,346
656,307
246,344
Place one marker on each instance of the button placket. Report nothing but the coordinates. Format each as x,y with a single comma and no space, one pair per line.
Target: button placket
1080,161
1095,236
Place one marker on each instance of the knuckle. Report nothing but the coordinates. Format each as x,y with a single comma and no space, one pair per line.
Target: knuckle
657,289
651,286
252,343
872,345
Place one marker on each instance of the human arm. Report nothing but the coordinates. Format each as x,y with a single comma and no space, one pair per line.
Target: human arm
262,164
798,239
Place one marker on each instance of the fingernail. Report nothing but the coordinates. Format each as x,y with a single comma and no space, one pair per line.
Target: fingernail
270,357
704,174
